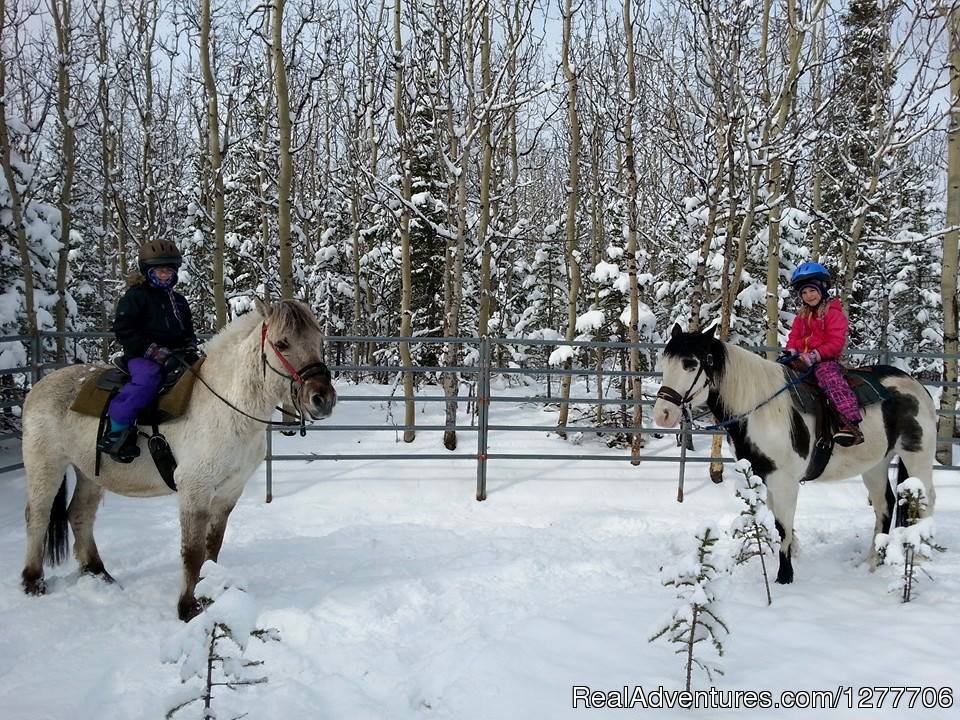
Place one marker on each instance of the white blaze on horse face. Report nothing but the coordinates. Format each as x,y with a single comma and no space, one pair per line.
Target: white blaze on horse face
681,379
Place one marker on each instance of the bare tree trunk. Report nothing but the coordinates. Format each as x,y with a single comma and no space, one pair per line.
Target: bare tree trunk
573,182
16,201
147,18
285,179
948,278
106,168
262,176
486,169
796,35
457,149
819,40
630,161
399,116
61,10
216,163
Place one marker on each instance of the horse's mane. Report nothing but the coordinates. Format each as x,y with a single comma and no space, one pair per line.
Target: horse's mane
286,317
748,379
291,317
232,333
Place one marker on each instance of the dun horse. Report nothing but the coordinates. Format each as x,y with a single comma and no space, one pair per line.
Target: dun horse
252,364
768,428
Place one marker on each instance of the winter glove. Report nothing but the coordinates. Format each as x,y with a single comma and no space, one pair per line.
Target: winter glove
787,356
157,353
810,358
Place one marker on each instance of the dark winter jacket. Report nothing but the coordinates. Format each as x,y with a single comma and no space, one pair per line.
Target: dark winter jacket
146,315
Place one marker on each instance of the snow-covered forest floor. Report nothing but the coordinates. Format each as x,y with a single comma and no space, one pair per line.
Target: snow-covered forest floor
397,595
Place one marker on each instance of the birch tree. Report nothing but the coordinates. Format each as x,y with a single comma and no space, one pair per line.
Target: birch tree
216,162
948,277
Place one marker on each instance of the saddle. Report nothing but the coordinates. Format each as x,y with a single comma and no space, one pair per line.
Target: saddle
172,399
96,391
808,396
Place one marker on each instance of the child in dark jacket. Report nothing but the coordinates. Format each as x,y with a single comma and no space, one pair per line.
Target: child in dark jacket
153,321
817,337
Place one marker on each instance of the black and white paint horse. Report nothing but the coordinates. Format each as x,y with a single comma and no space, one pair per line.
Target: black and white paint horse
777,437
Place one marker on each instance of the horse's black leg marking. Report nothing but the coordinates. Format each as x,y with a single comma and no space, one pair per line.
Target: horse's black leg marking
895,514
900,421
743,448
97,569
799,435
785,572
33,582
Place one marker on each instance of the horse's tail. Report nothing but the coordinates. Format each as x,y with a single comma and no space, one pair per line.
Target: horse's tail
58,537
895,511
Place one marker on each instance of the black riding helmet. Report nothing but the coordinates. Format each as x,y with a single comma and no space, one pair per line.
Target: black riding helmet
159,253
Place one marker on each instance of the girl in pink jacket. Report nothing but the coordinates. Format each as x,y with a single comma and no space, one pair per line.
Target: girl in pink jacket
817,337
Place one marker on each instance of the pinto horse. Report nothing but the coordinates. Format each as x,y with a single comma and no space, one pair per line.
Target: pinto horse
770,429
260,359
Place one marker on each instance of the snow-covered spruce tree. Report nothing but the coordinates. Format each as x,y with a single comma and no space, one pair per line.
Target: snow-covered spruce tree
696,619
905,545
427,246
755,527
211,647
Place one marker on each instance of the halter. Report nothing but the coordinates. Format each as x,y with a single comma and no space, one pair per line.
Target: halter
683,401
296,377
672,396
300,376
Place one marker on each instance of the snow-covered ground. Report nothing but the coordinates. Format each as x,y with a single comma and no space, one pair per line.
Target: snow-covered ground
397,595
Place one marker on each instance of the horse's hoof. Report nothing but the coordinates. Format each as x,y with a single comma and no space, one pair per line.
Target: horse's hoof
98,571
188,609
35,587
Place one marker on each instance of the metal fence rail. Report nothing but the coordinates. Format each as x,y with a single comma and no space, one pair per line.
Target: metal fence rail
482,396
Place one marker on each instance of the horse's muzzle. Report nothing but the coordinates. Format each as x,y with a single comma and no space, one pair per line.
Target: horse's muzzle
322,403
665,414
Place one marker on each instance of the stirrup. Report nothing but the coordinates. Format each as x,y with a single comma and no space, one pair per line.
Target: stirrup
122,447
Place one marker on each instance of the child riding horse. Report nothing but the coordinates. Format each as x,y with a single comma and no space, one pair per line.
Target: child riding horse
153,322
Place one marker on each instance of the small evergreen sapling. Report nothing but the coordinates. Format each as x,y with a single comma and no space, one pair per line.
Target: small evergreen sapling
903,545
696,619
211,646
755,528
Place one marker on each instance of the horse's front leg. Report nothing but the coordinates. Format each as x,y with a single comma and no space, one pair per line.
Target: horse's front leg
220,509
782,492
194,522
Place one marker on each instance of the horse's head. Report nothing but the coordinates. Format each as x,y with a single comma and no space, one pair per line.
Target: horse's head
689,363
291,345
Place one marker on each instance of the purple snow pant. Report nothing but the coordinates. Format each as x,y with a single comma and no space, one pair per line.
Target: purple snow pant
139,392
831,380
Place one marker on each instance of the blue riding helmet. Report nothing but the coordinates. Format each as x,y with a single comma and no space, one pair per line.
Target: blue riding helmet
810,273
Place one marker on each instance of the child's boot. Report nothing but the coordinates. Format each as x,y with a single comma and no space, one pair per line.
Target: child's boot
120,442
848,435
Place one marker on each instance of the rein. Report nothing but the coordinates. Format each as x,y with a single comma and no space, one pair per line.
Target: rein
743,416
684,401
298,377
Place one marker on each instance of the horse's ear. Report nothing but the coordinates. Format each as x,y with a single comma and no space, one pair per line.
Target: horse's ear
710,331
675,330
261,306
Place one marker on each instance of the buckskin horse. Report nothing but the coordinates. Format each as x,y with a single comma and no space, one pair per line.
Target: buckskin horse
260,359
767,426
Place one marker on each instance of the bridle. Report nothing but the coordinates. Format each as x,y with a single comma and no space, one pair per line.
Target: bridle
300,376
706,368
681,401
297,378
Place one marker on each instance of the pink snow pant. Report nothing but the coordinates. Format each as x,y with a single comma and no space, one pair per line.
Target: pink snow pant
831,380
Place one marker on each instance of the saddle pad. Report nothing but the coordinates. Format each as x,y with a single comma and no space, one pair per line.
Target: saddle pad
95,392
